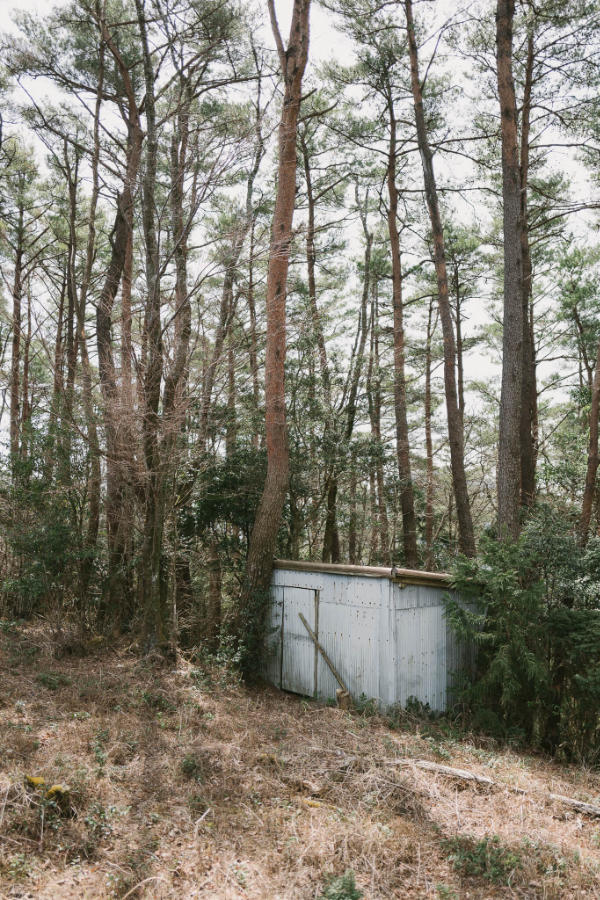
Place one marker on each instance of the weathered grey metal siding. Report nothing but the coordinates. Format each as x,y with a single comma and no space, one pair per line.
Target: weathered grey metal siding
388,639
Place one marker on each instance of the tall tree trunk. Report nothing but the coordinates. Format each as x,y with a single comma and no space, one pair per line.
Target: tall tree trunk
268,516
72,174
95,473
528,387
352,521
455,423
253,354
311,256
231,429
429,443
213,605
152,575
15,364
58,383
592,460
509,449
27,402
374,401
331,540
407,499
116,495
460,367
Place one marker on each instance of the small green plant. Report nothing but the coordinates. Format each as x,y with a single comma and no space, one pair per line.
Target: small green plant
487,858
418,709
198,804
100,740
158,701
19,866
52,680
341,887
191,767
98,821
200,678
366,706
279,734
445,892
240,876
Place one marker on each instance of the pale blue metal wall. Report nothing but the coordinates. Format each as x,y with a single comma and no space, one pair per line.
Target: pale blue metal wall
388,639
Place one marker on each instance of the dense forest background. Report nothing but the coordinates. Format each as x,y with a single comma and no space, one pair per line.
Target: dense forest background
435,299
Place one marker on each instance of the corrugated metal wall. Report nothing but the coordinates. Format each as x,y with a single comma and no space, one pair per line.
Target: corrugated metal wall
388,640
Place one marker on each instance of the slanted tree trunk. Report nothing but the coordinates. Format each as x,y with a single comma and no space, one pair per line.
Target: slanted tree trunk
455,422
268,516
509,448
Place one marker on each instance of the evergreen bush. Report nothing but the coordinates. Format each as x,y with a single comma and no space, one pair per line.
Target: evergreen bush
533,613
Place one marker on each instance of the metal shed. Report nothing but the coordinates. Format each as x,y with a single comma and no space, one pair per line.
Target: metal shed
383,629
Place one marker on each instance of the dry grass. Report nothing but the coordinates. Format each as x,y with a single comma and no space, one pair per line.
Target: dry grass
185,784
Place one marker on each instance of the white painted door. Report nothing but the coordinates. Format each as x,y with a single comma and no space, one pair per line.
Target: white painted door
298,662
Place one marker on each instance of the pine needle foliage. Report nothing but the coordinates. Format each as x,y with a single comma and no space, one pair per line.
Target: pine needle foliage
532,613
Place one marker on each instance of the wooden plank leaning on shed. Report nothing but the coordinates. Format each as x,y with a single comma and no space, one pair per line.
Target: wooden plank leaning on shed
323,653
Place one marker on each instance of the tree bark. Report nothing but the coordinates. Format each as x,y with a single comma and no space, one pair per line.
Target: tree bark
407,500
152,575
509,448
429,443
268,516
352,521
528,387
15,364
374,402
116,495
312,284
455,422
592,460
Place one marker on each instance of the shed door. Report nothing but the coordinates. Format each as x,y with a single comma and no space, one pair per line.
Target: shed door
298,663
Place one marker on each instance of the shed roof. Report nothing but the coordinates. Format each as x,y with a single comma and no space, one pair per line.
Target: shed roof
402,576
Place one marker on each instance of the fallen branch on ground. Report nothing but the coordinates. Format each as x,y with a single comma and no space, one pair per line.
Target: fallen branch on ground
588,809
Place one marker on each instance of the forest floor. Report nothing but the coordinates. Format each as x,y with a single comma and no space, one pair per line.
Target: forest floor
183,783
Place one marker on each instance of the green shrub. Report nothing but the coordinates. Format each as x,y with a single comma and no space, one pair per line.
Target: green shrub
52,680
341,887
191,767
530,614
487,858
